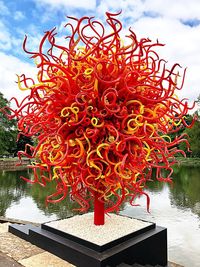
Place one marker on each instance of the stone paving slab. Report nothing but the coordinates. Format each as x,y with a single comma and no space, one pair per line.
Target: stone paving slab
4,227
16,252
16,247
172,264
45,259
6,261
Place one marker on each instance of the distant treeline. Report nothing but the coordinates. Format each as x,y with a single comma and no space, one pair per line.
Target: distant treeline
9,146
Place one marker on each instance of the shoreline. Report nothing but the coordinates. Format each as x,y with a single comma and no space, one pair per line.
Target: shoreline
12,164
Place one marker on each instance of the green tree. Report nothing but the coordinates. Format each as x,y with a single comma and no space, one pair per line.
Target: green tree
8,130
198,100
198,107
194,139
184,130
193,133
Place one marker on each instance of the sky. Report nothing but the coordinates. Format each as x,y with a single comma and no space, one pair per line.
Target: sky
174,23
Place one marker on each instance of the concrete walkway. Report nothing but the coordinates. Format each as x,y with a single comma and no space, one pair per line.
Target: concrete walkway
16,252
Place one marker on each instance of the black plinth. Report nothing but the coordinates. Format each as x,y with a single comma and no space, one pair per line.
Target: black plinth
146,246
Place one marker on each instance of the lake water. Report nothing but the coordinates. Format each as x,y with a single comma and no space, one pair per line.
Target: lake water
176,207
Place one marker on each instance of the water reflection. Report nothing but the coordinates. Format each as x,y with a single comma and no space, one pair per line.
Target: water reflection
62,209
186,190
184,193
176,207
12,189
21,200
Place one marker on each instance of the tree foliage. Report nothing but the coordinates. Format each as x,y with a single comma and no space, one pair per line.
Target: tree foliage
193,134
8,130
9,143
194,140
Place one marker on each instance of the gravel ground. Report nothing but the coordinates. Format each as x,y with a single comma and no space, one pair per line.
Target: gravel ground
115,227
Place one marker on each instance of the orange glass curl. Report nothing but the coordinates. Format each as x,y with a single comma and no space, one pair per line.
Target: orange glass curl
101,112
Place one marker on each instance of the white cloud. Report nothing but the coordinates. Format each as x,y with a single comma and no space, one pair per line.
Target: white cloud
84,4
5,37
18,15
175,9
3,9
9,41
181,9
130,9
9,67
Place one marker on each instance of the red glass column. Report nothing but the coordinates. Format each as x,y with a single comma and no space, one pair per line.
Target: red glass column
99,214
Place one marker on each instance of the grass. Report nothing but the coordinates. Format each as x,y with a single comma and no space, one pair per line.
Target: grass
189,161
8,159
11,159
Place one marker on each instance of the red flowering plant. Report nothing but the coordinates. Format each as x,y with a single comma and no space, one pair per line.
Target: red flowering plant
102,111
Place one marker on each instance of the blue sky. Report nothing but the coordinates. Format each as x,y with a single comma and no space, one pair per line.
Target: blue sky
175,23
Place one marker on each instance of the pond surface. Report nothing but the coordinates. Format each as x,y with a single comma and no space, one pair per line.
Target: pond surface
176,207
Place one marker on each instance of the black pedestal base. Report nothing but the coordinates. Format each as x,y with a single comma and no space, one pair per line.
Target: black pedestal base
148,246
